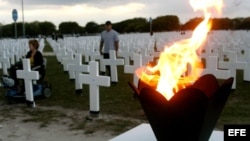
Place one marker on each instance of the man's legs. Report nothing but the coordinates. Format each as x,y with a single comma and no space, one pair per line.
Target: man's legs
106,56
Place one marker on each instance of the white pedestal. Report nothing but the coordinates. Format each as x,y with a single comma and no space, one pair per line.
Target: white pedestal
143,132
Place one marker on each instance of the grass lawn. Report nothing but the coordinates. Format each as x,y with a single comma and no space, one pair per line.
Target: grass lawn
117,101
237,109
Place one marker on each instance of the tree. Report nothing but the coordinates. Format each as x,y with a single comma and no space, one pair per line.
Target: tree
245,24
47,28
136,25
222,24
166,23
192,24
69,28
139,24
1,30
92,27
132,25
32,29
7,31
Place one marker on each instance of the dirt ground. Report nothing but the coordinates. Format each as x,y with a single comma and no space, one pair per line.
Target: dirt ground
20,123
16,130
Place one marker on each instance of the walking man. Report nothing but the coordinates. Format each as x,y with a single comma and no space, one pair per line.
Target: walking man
110,41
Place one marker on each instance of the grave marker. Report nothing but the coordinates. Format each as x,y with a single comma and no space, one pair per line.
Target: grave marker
94,81
88,53
113,62
5,62
137,58
66,60
60,54
246,76
77,69
97,57
28,76
232,65
126,55
211,68
145,57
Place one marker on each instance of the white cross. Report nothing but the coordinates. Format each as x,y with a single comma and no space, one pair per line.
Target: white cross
247,74
66,60
113,62
145,57
5,62
96,56
247,60
17,56
28,76
132,68
94,81
88,53
232,66
243,54
207,52
126,55
77,69
211,68
222,55
60,53
11,55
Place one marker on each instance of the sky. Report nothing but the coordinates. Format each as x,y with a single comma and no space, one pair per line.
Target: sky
99,11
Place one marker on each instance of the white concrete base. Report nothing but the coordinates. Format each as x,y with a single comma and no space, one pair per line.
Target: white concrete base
143,132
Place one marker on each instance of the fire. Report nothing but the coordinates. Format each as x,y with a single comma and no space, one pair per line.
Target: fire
168,76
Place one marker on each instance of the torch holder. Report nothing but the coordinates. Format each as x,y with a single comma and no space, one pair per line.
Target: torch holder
191,114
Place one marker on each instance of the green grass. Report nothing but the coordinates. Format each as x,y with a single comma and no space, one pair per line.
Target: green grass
47,48
116,100
111,98
237,108
64,93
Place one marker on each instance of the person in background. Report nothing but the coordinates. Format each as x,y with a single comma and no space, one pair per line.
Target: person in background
36,61
35,56
109,41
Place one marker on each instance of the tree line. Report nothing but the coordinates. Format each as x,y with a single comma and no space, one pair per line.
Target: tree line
140,25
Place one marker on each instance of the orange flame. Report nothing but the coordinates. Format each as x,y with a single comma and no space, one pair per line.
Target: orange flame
169,74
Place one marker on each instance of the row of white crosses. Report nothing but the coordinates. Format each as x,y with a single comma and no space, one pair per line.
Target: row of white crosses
127,51
13,51
136,55
67,58
215,52
92,79
138,62
17,49
81,76
233,65
113,62
5,62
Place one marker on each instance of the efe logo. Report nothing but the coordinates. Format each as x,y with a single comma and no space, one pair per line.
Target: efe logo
236,132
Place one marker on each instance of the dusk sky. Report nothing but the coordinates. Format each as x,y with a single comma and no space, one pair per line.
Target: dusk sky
83,11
